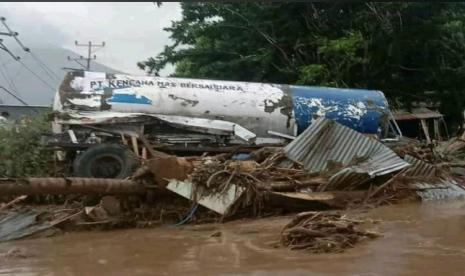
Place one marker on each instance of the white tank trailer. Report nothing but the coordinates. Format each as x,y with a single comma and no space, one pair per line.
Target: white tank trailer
97,112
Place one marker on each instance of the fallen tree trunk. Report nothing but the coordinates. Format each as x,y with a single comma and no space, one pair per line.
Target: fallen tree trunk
71,185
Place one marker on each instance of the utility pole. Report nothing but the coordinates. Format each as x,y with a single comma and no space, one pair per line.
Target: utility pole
13,34
89,46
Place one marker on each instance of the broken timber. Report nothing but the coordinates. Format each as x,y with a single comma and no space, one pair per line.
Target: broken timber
71,185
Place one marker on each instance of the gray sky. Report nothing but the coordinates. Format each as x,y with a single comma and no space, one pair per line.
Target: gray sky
132,31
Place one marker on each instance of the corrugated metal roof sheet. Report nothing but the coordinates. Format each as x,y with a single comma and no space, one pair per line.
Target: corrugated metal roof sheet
445,189
345,179
420,168
326,141
430,187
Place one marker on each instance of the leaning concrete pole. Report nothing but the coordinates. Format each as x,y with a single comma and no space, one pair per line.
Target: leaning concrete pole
71,185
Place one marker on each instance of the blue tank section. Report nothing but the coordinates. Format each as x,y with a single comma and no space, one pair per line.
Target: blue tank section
128,96
358,109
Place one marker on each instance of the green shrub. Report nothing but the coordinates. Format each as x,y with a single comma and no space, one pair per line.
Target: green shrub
21,154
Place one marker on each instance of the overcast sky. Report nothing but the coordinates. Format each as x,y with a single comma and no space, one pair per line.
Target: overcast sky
132,31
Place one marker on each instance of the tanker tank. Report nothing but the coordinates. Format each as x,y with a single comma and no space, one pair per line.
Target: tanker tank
96,97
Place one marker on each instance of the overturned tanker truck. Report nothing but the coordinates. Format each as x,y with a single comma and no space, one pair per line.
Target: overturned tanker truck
106,123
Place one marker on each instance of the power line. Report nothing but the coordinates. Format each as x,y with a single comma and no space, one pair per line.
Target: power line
4,48
17,58
11,33
18,98
7,62
37,76
42,64
8,78
20,69
89,46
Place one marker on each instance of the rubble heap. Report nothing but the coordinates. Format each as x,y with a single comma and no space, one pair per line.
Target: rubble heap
328,163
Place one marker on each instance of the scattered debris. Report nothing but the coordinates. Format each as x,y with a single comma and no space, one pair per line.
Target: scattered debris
296,201
328,166
15,253
16,225
168,167
96,213
218,202
454,149
13,202
111,205
319,232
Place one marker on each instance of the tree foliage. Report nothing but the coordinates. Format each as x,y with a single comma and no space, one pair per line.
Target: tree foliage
21,154
411,51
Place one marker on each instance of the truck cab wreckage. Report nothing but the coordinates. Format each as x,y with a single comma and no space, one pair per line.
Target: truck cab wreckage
106,122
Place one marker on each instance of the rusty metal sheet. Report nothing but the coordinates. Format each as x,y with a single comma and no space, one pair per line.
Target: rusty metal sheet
326,142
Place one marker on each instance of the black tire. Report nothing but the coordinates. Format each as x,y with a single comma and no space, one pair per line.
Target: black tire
105,161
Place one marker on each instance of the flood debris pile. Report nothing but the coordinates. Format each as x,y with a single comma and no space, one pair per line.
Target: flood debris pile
454,149
266,171
319,232
226,177
328,166
48,220
79,213
262,169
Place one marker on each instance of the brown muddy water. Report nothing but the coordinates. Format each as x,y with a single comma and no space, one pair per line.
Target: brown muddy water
418,239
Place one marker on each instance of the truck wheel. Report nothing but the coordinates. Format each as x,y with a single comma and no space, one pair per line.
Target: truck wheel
105,161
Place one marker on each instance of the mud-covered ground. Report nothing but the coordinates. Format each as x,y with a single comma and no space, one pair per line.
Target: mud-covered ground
418,239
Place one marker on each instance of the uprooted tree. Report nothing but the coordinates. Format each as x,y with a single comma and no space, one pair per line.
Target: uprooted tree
410,51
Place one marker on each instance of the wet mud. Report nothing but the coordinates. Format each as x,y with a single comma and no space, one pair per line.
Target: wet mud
417,239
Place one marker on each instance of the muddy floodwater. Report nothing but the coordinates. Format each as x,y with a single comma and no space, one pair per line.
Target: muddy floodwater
418,239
